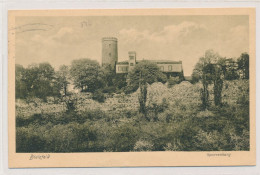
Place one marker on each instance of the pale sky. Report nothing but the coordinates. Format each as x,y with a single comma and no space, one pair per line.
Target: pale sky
59,40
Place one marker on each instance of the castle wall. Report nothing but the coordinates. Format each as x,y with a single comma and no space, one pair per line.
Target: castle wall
122,69
170,67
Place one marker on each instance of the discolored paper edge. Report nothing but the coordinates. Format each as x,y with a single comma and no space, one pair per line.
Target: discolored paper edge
130,159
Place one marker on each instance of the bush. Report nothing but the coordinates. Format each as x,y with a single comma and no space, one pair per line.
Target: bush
124,138
130,88
172,81
28,140
142,145
70,103
98,96
109,89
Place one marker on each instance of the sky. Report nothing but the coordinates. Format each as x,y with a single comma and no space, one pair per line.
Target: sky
59,40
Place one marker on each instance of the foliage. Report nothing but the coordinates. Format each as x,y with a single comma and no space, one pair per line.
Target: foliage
210,69
229,68
20,85
243,65
150,73
173,80
38,80
173,124
143,73
63,78
70,103
113,82
142,97
218,85
177,126
86,75
99,96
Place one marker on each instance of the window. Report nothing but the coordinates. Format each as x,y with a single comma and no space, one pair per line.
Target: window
170,67
132,57
131,64
109,54
119,68
161,68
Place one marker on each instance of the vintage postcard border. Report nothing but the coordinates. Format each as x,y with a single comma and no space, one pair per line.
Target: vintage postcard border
130,159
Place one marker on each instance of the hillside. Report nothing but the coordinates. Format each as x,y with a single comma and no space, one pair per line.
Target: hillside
183,92
174,122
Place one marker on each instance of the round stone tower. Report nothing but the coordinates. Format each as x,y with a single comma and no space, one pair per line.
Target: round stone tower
109,51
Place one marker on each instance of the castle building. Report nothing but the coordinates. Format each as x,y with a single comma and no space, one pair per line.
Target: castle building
109,51
110,57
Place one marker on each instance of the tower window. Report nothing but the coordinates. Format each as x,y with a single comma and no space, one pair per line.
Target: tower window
109,54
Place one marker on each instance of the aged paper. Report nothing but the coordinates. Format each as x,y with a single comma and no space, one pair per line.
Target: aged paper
131,88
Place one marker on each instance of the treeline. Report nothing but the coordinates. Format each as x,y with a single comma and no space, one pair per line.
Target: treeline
214,69
41,80
231,69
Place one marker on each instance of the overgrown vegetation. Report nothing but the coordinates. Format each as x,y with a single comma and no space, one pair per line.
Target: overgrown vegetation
141,112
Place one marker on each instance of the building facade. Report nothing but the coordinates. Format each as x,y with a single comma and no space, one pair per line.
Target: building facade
110,56
109,51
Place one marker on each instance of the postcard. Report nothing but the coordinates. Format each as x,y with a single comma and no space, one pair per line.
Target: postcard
131,87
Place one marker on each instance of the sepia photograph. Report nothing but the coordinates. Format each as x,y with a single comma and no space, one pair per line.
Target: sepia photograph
132,83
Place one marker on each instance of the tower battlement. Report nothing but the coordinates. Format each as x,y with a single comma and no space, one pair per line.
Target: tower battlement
109,39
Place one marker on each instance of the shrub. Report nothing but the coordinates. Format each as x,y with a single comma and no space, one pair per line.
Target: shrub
28,140
98,96
172,81
142,145
92,115
124,138
109,89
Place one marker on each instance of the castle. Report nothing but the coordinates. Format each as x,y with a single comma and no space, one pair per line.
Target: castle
110,57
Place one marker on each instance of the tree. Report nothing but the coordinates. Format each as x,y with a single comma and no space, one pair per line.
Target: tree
150,73
63,78
37,80
243,65
109,74
218,84
113,82
228,68
20,85
86,75
207,71
144,73
210,69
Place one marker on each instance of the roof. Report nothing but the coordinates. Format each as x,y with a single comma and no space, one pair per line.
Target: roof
155,61
122,63
163,61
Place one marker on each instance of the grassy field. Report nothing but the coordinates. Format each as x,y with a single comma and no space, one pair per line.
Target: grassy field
177,122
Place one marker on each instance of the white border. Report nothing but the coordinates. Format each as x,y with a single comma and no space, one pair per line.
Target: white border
116,4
